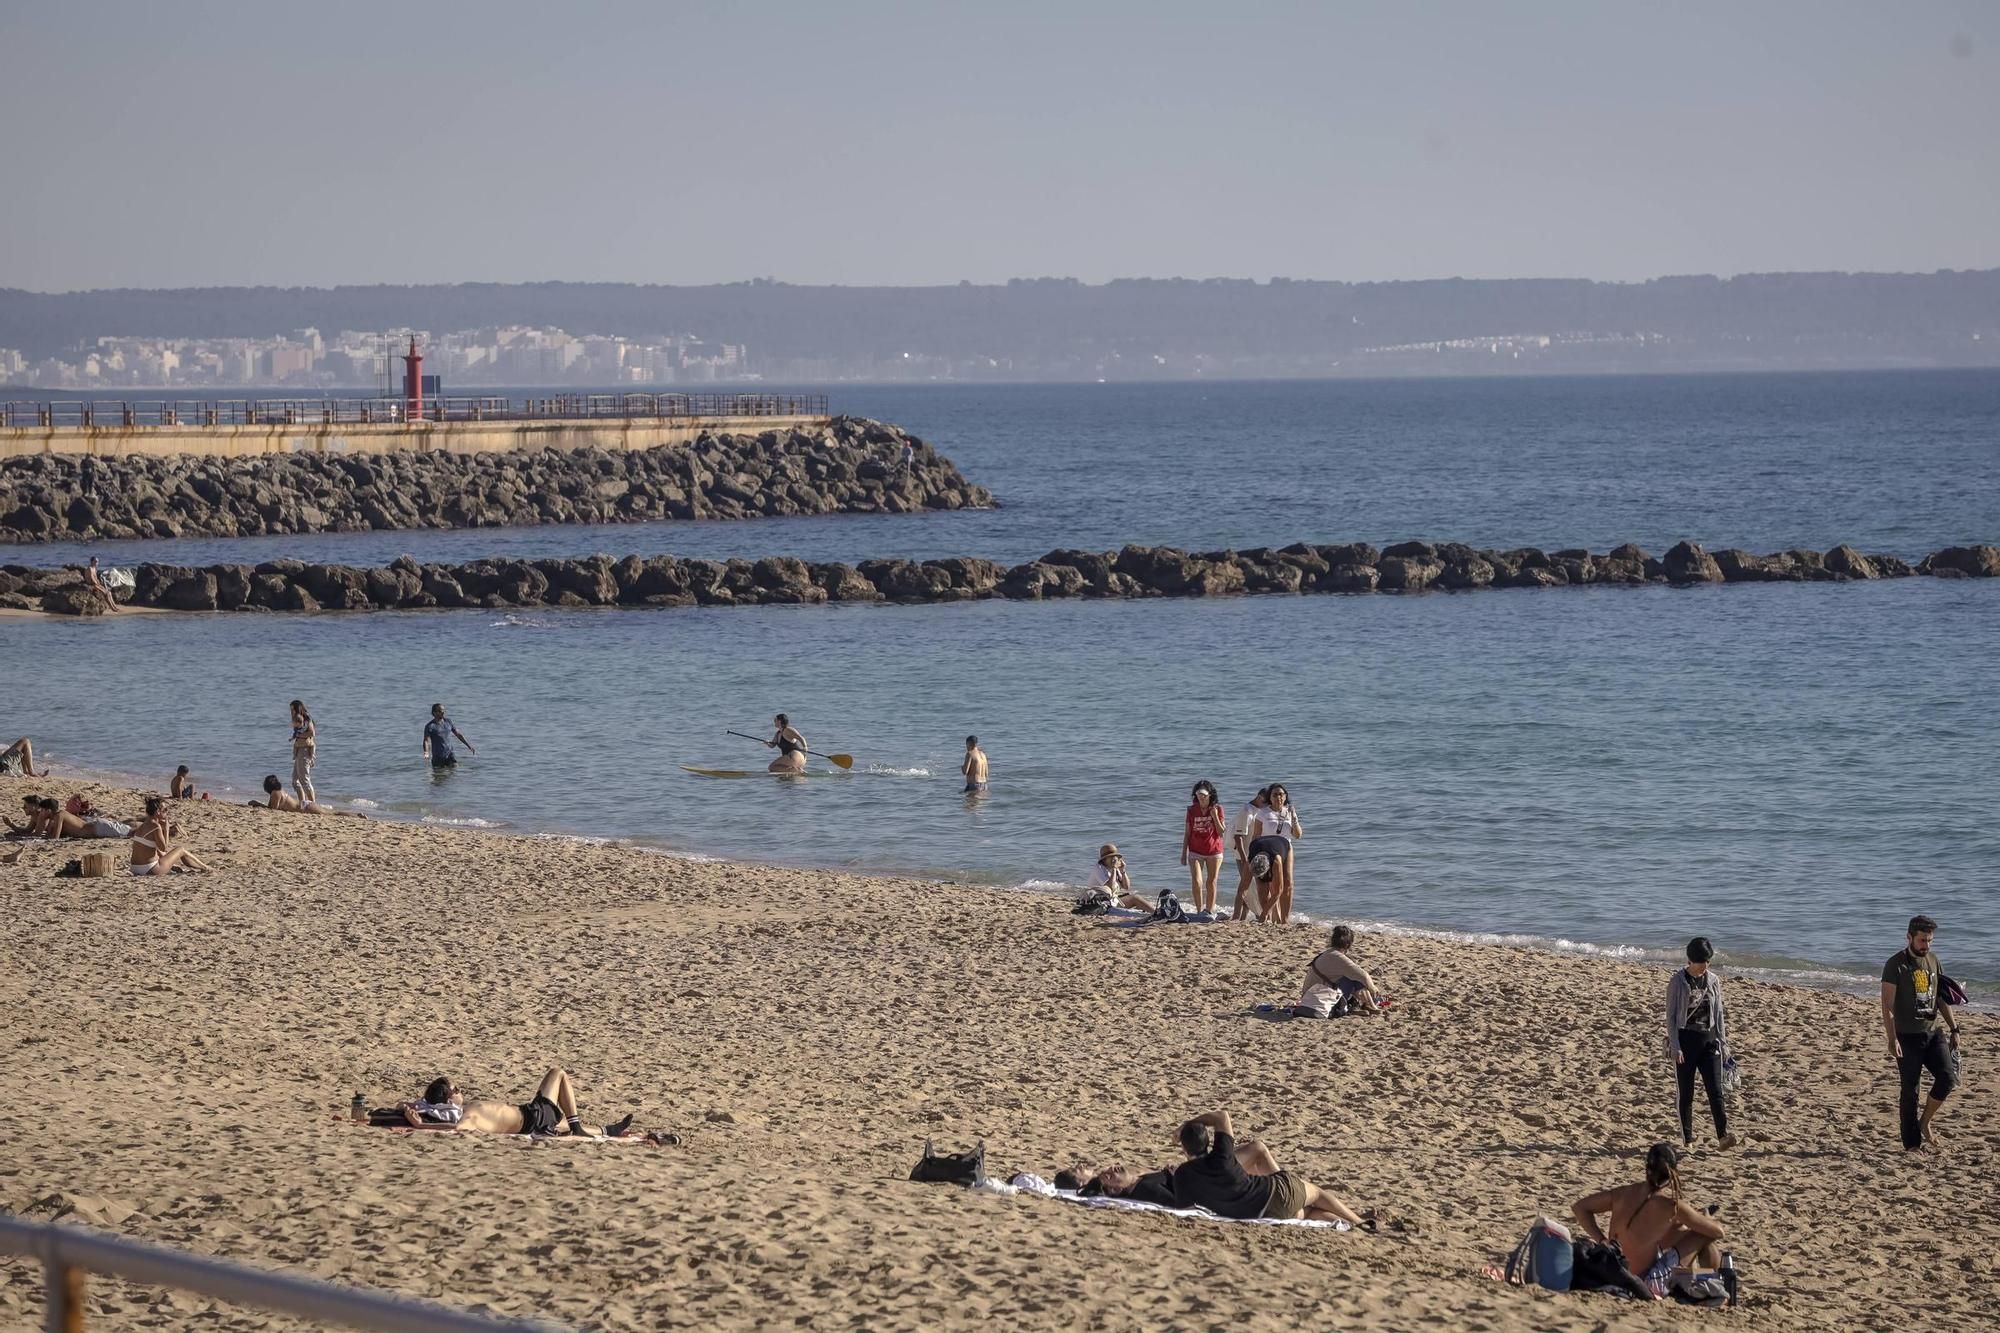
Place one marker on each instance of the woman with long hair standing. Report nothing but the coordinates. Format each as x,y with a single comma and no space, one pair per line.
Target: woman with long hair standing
1201,844
305,747
1278,821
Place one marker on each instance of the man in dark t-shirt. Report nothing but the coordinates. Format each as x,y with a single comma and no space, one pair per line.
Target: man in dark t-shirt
437,739
1914,1012
1245,1181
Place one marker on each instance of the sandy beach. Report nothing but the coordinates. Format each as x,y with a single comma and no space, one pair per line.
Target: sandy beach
182,1051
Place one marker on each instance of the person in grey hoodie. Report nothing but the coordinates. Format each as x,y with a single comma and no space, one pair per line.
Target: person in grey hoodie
1698,1038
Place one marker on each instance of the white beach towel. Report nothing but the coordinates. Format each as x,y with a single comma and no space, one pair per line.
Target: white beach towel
1027,1183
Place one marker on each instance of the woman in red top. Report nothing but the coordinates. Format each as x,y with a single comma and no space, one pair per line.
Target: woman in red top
1201,844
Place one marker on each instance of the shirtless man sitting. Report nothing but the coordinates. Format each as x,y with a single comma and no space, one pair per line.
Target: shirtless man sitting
277,798
551,1111
18,760
1652,1225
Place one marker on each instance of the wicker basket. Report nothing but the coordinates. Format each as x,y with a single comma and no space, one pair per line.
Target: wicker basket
96,865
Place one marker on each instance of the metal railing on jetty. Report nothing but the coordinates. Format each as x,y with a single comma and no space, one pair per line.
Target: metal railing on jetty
393,411
68,1252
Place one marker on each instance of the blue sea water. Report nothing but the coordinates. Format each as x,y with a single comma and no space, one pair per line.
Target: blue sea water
1791,769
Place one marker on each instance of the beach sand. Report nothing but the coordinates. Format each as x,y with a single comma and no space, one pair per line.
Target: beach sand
180,1052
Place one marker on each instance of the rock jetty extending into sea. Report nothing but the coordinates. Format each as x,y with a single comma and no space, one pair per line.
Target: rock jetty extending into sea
1134,571
849,466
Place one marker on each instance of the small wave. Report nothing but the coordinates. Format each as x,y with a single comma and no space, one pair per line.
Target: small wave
470,821
1043,885
363,803
520,622
578,838
884,771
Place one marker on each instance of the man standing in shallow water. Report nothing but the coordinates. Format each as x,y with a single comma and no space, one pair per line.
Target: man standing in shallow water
437,739
974,767
1913,1011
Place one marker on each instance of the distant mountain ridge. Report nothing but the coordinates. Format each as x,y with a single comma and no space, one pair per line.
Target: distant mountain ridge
1136,328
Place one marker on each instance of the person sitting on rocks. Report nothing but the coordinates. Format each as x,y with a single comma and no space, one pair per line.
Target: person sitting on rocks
1336,985
95,587
18,760
277,798
1247,1182
551,1111
1652,1224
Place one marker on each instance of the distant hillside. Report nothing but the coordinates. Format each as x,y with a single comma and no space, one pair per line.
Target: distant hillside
1137,328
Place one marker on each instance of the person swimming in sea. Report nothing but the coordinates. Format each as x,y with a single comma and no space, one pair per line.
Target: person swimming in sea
790,745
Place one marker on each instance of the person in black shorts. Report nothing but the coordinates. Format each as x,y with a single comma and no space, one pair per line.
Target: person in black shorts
1245,1182
552,1111
438,733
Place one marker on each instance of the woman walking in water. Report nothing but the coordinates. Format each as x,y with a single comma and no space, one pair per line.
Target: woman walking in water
1698,1039
305,746
1201,844
790,745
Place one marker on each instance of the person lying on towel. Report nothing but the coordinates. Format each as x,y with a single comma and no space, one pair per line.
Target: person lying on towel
1245,1182
551,1111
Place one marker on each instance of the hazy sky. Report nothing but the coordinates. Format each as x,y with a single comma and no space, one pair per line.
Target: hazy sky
195,142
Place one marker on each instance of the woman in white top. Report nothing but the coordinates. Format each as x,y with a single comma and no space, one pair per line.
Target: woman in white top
1110,875
153,852
1277,820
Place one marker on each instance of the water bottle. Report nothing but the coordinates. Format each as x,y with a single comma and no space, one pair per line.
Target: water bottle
1729,1275
358,1108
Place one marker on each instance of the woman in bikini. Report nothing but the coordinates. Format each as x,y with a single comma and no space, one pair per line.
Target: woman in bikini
153,852
790,745
305,748
1201,844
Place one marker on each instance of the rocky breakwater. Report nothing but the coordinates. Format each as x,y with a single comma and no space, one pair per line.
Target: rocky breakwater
850,466
1134,571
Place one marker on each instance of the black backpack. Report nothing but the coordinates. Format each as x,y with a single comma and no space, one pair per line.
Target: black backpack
1169,908
1094,903
964,1168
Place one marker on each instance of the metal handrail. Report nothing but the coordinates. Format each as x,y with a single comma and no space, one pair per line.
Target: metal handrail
91,413
67,1252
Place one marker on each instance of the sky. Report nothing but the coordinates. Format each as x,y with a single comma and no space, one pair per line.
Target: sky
861,142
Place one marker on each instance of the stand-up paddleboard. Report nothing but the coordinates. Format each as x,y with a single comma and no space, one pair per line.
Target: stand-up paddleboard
760,773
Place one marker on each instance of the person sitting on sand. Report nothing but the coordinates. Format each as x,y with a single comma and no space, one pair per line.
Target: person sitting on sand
277,798
182,786
1246,1182
18,760
551,1111
1652,1224
153,852
1110,875
1335,984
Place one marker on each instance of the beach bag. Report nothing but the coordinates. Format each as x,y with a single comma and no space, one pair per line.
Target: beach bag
1544,1258
1094,903
964,1168
1732,1078
96,865
1169,908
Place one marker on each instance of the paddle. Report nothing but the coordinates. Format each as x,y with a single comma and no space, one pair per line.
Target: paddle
837,760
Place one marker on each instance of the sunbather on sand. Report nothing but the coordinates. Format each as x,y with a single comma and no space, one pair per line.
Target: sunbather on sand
1652,1225
31,808
277,798
153,850
1110,875
1246,1182
18,760
552,1111
1120,1182
49,820
1335,984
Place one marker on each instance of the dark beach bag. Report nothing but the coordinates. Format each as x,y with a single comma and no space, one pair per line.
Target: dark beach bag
964,1168
1544,1257
1094,903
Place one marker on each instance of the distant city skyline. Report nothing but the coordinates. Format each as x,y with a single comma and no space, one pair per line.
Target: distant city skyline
898,144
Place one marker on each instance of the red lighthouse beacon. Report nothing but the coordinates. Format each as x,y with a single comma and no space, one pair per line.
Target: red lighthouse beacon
413,381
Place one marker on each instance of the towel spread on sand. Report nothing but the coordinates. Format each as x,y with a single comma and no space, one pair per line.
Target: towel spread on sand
1028,1183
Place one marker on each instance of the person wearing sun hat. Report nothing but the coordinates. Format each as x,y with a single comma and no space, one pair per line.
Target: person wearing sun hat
1110,875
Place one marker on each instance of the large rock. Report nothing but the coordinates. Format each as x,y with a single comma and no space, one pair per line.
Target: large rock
1849,563
1687,563
193,593
71,602
1978,562
1406,574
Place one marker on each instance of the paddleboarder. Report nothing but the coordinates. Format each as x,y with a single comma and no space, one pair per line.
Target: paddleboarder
790,745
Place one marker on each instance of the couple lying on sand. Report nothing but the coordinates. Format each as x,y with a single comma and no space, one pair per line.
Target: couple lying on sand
551,1111
76,819
1229,1179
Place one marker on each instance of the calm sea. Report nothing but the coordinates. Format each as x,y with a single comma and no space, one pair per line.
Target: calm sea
1792,770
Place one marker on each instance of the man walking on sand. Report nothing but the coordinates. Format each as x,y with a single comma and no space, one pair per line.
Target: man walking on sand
974,767
1913,1012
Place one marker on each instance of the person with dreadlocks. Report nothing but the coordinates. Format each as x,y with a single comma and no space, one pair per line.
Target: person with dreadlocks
1652,1224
